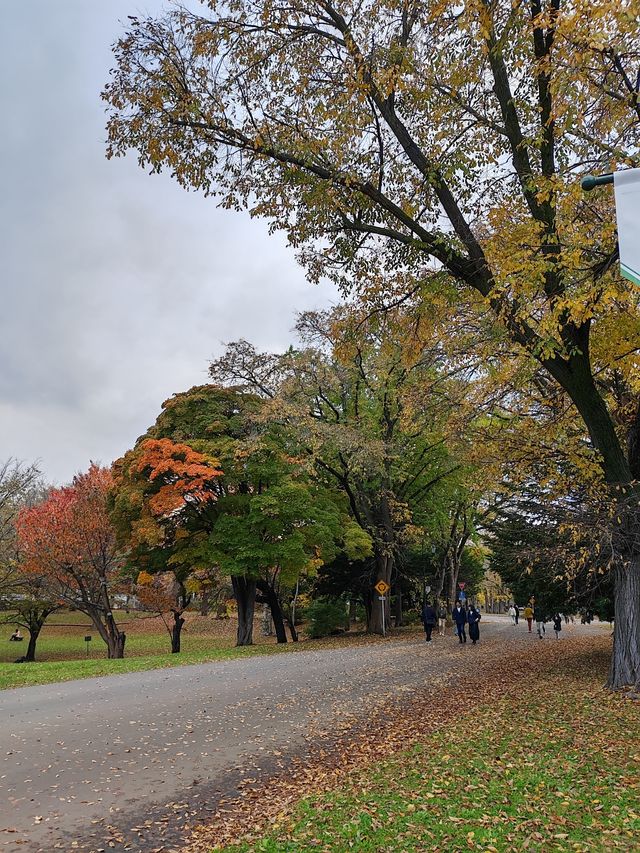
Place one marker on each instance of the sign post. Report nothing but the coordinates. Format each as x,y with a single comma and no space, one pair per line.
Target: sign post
382,587
87,640
626,185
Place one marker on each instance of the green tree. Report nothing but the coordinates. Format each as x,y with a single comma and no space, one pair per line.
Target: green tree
367,399
533,540
236,501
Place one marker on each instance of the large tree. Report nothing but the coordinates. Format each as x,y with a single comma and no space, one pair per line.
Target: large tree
415,136
367,399
25,599
68,541
237,500
162,505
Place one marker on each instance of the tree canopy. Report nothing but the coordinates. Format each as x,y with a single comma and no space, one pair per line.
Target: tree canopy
237,501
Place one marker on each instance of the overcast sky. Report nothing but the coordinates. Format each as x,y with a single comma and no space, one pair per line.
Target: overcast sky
117,287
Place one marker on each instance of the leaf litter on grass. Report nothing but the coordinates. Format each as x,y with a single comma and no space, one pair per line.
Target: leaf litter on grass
528,753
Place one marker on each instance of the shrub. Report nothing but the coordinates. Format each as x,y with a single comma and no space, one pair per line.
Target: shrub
326,618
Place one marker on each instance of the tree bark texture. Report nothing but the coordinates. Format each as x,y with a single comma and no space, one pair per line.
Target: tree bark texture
31,648
273,601
176,631
244,591
625,660
267,621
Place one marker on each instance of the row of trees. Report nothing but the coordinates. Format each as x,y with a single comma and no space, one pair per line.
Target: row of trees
373,451
332,466
438,145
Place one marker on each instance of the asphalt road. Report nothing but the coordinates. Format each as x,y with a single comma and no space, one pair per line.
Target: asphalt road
119,762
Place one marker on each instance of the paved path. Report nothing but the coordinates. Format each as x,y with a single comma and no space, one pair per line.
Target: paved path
125,759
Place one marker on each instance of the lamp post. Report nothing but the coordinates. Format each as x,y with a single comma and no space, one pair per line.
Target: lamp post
590,182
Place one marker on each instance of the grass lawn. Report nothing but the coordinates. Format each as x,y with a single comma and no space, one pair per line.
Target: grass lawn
61,653
553,765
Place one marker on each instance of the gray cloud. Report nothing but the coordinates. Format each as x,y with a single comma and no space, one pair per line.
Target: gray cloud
118,287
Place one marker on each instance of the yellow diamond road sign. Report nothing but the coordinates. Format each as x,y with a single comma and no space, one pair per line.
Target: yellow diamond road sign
382,587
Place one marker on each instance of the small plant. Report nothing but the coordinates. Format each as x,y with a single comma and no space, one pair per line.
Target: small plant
326,617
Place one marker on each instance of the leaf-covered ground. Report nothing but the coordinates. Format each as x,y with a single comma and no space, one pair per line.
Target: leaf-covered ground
534,755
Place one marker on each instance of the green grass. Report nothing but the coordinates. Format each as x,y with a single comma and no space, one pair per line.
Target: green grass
61,652
23,675
553,767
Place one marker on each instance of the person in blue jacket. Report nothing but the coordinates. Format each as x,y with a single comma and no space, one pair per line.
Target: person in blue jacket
473,618
459,615
429,619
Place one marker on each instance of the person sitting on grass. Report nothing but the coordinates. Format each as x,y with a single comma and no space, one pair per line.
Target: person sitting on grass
16,637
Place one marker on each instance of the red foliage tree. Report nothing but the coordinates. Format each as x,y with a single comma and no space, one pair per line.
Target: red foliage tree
69,542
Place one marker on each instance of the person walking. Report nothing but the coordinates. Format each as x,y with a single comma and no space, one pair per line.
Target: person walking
429,619
517,609
460,619
528,615
473,618
442,619
512,613
557,625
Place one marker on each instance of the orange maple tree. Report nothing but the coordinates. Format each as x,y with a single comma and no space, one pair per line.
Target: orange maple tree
162,490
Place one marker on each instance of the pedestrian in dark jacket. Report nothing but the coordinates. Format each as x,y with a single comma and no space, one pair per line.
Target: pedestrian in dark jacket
557,625
429,619
459,616
473,618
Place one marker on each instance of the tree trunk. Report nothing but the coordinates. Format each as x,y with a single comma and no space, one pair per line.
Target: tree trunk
440,579
35,620
244,591
115,644
625,660
267,621
454,573
34,633
176,631
292,631
577,380
115,638
276,610
205,601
